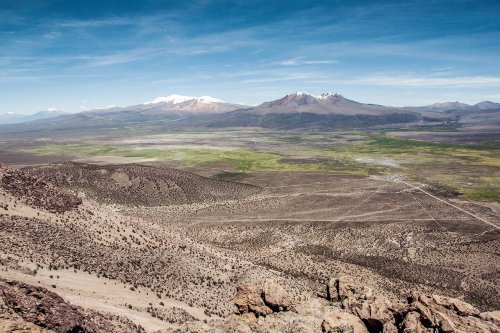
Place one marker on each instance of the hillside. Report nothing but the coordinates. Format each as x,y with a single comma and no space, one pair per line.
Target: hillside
140,185
277,252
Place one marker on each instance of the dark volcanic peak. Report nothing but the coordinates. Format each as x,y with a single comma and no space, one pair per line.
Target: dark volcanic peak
326,111
303,98
334,98
298,98
326,103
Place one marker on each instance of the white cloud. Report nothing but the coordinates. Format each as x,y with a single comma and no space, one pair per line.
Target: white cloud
114,21
300,62
429,81
53,35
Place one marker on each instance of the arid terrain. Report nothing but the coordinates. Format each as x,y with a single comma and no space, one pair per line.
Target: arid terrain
215,166
136,247
151,227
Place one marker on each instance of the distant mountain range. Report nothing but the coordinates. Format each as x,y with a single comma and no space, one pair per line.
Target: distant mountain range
457,106
15,118
172,107
296,110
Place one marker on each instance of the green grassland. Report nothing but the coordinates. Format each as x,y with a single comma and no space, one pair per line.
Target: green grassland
471,169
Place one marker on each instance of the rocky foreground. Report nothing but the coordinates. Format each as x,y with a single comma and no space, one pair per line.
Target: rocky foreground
27,308
75,257
35,191
345,307
350,308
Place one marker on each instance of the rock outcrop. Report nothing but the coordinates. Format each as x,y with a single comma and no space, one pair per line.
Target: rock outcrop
420,312
35,191
348,308
262,300
27,308
43,308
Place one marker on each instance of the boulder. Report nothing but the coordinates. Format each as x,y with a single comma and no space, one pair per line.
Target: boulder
340,288
449,315
337,320
262,299
275,296
492,316
375,314
460,307
413,324
248,299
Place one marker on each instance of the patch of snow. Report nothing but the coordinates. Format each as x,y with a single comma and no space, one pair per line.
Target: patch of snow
327,95
177,99
209,99
174,98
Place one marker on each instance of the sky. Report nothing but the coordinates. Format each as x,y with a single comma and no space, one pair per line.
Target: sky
77,55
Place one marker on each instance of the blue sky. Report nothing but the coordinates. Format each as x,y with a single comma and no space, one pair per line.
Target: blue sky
77,55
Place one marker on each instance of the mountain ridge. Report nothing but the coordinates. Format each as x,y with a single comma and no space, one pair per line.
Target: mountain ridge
295,110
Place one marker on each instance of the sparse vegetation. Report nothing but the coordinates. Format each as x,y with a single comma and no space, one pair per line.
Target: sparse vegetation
459,166
307,212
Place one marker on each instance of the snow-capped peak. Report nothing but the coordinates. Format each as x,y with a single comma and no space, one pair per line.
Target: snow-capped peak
327,95
209,99
177,99
174,98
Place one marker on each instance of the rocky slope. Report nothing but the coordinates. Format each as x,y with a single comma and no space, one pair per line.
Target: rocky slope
211,267
27,308
347,307
141,185
35,191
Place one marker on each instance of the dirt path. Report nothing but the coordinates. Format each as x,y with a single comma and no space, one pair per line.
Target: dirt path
452,205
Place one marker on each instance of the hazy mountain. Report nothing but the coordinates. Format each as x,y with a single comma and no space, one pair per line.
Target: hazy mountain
15,118
163,108
293,111
486,105
445,106
457,106
192,104
166,109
